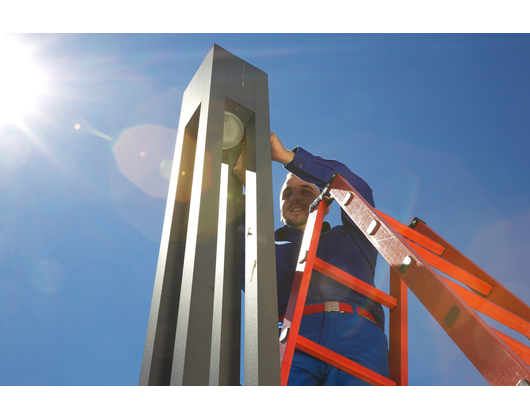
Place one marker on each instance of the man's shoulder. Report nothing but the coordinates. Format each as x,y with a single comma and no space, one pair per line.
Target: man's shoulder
339,229
287,234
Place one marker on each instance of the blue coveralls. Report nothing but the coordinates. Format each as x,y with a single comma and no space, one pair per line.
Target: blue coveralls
347,248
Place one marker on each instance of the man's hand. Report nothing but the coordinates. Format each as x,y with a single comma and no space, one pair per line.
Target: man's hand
278,152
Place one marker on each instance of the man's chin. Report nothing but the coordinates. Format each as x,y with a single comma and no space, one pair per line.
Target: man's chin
296,222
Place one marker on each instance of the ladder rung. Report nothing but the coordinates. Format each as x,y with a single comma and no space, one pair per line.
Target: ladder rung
490,309
413,235
454,271
342,362
354,283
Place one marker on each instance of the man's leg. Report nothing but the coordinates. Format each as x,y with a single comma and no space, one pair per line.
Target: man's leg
306,370
358,339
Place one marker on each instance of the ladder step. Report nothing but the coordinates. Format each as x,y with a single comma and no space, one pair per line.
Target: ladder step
342,362
354,283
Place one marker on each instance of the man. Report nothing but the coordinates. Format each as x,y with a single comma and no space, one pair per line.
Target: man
356,331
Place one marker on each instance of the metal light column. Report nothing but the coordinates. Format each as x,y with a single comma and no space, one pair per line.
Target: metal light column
193,335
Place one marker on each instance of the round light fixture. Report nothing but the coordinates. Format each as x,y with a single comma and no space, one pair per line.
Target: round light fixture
233,131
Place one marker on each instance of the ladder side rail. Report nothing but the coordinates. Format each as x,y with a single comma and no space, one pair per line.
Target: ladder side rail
497,313
398,333
341,362
499,295
453,270
522,350
413,235
492,310
297,298
465,327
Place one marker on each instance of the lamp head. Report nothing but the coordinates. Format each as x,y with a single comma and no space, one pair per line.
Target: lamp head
233,131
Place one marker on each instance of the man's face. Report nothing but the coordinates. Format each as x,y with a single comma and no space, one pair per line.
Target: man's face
296,197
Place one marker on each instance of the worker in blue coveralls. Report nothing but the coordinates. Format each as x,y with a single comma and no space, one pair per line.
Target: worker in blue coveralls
335,316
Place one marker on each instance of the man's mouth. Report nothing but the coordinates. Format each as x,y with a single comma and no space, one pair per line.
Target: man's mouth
297,209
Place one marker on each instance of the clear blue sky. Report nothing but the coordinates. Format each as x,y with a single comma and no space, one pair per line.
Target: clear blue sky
438,125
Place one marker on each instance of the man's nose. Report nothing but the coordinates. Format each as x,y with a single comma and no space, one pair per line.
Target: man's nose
295,196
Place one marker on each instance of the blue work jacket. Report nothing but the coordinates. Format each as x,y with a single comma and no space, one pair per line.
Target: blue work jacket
343,246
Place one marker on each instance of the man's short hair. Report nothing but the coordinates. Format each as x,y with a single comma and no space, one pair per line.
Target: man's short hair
289,176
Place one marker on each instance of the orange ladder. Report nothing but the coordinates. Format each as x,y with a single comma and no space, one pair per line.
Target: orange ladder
413,253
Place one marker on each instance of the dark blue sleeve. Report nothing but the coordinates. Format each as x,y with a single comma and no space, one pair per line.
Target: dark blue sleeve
319,171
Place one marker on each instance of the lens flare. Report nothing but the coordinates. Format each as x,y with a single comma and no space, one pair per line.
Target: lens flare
143,154
165,168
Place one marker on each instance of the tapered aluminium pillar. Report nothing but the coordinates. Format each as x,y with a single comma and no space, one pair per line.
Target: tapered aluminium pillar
193,335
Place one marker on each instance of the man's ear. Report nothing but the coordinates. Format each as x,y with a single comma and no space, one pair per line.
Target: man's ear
327,209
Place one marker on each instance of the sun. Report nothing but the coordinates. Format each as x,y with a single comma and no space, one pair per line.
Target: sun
21,81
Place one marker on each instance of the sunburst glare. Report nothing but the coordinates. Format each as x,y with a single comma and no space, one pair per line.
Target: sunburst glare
21,81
